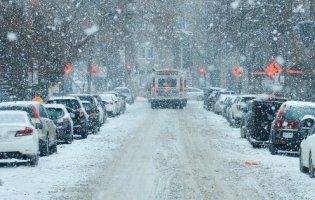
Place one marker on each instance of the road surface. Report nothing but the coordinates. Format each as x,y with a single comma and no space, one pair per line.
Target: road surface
186,154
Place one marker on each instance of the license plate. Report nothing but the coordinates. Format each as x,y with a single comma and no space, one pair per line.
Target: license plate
287,134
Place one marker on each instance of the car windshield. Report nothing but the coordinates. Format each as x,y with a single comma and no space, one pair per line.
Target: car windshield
167,82
296,113
11,118
55,113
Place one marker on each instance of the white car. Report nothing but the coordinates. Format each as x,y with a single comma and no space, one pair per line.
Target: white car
194,94
127,93
18,136
236,111
37,112
307,153
218,106
111,104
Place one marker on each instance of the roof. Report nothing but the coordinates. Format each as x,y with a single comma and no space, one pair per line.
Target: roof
63,97
300,104
248,95
13,111
88,95
20,103
55,106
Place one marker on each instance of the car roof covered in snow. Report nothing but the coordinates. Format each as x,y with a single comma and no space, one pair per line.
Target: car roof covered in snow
20,103
300,104
62,97
247,95
55,106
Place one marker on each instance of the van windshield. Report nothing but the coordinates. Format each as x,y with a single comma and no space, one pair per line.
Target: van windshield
167,82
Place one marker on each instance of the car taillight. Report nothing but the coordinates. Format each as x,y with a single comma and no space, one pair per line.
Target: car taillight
290,124
24,132
279,120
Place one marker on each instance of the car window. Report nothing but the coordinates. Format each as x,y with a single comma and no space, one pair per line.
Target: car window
55,113
42,111
293,113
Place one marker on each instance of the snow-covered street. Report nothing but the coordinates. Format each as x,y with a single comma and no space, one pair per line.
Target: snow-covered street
160,154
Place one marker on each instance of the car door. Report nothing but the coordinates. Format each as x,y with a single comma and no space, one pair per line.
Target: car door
310,144
48,125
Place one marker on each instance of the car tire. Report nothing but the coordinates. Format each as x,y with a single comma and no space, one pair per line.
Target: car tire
54,148
243,134
273,149
311,167
303,169
84,135
34,160
44,148
153,105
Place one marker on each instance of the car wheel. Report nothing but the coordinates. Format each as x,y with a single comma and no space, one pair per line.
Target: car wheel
273,149
44,147
84,134
302,168
34,160
153,105
243,134
311,167
54,148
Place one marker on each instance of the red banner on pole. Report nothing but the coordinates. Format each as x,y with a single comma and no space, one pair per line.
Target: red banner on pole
68,69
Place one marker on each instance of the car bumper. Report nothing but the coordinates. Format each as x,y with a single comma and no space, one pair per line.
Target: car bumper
281,140
63,133
26,145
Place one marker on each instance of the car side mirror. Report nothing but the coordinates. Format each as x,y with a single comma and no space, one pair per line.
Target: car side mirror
39,126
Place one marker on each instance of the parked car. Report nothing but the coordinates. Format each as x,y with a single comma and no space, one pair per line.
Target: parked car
101,109
37,112
90,111
215,95
63,120
227,106
307,147
94,113
206,94
236,112
194,94
121,101
257,120
285,134
130,99
75,106
111,103
218,106
19,136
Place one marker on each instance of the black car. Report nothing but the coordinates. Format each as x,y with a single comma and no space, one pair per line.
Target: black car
94,113
80,117
256,123
286,134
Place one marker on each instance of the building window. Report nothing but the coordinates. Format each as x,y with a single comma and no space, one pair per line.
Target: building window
142,52
150,52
